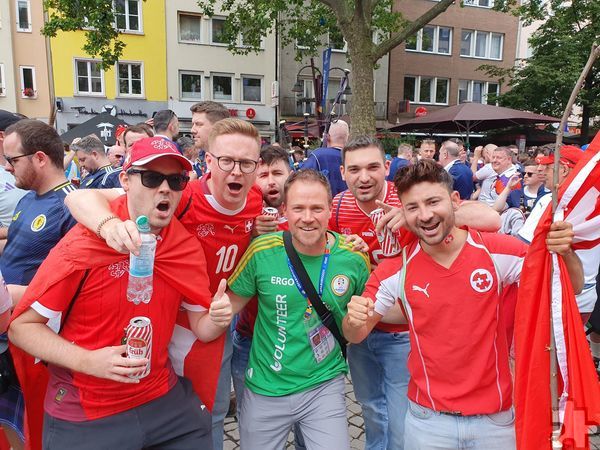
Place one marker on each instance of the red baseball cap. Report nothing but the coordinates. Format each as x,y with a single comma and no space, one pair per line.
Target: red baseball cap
569,156
148,149
120,130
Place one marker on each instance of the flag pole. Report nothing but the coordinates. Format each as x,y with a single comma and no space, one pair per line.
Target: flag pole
556,424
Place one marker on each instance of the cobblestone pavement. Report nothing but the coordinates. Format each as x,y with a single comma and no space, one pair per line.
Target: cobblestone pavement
355,427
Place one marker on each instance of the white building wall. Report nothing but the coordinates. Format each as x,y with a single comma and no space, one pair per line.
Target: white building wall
195,55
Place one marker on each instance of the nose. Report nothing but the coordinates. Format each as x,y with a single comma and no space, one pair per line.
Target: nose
8,167
307,216
425,214
363,175
164,187
237,168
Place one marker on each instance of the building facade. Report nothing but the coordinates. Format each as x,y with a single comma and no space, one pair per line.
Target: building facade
24,81
133,89
200,67
438,66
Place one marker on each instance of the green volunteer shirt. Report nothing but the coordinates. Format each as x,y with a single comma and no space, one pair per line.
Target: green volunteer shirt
290,347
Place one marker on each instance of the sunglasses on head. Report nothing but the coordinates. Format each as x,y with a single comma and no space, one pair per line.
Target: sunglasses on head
151,179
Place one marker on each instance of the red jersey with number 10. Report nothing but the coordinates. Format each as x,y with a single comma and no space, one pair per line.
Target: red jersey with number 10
224,235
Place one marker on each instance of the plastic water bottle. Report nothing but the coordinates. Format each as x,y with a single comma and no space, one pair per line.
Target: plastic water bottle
141,268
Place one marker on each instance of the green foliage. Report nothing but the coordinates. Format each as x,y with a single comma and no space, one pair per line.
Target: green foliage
96,17
560,47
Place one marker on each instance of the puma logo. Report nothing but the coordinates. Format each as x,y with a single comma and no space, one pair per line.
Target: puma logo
230,228
420,289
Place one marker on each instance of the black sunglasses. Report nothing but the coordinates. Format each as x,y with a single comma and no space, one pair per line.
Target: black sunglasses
530,174
150,179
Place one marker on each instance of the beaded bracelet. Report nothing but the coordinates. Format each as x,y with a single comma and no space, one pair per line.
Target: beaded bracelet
102,223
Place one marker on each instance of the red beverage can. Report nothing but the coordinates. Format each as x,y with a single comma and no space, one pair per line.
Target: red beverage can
387,240
139,343
269,211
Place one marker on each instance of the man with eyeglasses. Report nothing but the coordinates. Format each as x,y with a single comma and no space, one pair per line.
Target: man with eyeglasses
116,155
219,209
34,155
93,389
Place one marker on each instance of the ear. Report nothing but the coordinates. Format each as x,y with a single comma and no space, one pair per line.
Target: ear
343,172
387,165
124,179
455,199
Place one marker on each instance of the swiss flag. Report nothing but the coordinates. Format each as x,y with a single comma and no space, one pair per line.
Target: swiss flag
545,287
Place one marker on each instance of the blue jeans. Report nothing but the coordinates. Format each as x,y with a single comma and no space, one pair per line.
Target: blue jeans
222,396
380,378
426,429
239,363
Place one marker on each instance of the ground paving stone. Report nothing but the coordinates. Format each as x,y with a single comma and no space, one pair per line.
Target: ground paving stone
355,427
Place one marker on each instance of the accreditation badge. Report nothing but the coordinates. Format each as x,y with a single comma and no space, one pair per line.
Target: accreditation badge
321,340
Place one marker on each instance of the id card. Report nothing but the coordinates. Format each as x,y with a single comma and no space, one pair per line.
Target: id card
321,341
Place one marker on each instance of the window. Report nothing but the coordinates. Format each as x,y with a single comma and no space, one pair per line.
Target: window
189,28
481,44
305,101
23,15
190,85
131,82
428,90
2,83
28,88
252,89
90,78
217,31
336,40
431,39
479,3
478,91
128,15
221,87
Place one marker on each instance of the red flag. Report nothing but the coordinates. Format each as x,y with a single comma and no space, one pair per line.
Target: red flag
81,249
545,285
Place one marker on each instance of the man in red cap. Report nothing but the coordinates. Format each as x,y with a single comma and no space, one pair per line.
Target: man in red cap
93,390
590,258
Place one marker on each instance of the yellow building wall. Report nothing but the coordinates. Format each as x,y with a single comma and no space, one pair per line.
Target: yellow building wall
149,47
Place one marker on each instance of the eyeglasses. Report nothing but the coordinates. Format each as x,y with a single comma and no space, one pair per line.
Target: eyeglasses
11,159
530,174
227,164
151,179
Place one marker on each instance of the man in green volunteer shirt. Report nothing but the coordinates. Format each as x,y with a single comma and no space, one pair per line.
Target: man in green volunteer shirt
295,372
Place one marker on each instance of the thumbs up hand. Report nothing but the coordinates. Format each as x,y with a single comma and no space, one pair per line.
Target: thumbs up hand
220,308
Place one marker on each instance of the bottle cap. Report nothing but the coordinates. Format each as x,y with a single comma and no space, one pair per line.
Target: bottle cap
143,224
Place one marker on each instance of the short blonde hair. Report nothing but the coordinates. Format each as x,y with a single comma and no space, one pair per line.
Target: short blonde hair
233,126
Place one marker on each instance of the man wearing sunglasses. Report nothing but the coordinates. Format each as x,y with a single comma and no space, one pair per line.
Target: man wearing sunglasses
219,209
92,387
526,197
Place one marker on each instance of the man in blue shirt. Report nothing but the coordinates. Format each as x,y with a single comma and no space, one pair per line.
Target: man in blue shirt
461,174
328,160
404,158
92,157
34,155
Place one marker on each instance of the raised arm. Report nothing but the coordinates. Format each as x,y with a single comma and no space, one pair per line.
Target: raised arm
90,207
477,215
360,319
500,203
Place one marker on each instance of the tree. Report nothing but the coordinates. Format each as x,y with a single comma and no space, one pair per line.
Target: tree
310,20
560,49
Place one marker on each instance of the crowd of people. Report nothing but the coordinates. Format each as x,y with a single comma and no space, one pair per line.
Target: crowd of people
274,275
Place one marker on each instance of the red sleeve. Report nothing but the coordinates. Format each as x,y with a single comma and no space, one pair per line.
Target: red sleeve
56,298
186,198
334,211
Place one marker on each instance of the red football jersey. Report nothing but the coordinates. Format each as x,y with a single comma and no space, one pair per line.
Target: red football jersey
459,351
75,396
224,234
348,218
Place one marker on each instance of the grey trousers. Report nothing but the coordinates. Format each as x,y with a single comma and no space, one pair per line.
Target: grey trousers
320,413
175,421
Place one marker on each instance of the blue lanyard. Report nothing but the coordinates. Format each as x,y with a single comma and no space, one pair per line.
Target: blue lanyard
297,282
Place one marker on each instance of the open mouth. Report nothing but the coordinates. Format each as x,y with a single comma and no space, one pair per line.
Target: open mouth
163,206
234,187
430,229
273,192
